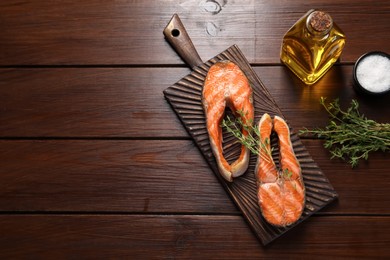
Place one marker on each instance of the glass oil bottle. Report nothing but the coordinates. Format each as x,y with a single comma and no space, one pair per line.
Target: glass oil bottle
312,45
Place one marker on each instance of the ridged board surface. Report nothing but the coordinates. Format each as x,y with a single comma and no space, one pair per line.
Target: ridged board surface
185,98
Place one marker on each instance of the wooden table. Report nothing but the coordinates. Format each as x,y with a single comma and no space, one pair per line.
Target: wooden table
95,164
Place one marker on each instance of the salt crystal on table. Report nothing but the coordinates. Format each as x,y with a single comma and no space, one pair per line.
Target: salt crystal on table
373,73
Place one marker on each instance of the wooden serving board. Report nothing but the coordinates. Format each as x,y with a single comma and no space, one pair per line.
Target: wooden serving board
185,98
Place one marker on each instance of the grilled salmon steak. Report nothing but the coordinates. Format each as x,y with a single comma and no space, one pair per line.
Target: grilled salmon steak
227,86
281,193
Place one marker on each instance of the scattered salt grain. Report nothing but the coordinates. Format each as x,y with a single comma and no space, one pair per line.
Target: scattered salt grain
373,73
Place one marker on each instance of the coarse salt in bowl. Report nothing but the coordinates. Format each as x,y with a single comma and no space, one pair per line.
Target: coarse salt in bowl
372,73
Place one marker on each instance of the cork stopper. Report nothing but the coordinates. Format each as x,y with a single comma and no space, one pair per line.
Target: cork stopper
319,22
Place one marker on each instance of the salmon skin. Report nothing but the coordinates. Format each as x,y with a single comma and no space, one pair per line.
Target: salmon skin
281,193
227,86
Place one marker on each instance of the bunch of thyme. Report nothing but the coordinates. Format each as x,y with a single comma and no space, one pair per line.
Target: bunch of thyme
350,135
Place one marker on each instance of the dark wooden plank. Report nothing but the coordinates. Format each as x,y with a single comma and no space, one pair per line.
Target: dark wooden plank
155,176
88,102
128,176
128,102
195,237
130,32
356,196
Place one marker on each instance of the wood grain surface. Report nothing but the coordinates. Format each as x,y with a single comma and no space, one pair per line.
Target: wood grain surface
128,102
116,32
108,175
187,237
95,164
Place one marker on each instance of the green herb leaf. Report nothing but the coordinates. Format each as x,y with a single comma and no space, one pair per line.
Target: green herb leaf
350,135
252,141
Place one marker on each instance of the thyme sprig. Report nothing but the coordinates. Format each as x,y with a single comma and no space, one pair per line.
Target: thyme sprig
253,140
350,135
287,173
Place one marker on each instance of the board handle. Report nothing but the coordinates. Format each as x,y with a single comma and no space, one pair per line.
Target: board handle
177,36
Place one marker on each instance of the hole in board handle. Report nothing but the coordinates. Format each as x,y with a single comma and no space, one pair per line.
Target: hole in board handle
175,32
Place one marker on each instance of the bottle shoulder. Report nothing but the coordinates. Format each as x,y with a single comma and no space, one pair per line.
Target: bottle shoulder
337,32
302,34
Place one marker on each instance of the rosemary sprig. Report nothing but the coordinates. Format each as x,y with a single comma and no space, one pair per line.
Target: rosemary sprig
350,135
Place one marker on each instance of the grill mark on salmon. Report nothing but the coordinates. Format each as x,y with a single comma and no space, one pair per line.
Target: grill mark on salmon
281,193
227,86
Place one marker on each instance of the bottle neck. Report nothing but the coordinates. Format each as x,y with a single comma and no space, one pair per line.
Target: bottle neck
319,24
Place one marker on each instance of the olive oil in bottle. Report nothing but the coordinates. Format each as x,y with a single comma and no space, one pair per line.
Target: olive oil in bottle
312,46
